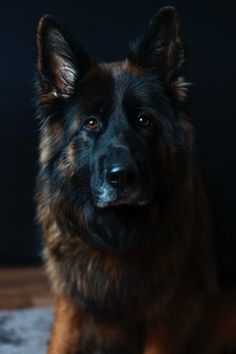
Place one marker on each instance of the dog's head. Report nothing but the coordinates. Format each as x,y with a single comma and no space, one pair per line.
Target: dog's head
113,134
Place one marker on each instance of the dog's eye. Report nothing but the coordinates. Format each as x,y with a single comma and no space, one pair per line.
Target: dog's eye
144,121
92,124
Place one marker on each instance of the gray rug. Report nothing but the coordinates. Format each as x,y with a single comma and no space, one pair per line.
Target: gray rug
25,331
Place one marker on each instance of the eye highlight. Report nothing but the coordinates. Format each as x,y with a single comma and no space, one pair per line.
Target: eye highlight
144,121
92,124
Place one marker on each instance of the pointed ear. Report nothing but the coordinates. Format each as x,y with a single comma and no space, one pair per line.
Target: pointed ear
61,61
161,48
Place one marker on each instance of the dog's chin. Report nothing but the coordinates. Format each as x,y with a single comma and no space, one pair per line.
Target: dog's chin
123,202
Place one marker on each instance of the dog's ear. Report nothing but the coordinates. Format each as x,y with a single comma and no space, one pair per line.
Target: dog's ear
60,61
161,48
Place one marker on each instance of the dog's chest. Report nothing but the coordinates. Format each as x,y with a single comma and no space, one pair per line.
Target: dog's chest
106,338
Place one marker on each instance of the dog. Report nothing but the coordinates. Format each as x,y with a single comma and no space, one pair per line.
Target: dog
120,198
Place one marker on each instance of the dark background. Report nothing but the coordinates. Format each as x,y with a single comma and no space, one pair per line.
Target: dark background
105,27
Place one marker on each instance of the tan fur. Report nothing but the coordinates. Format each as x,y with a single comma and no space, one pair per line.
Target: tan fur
65,334
50,140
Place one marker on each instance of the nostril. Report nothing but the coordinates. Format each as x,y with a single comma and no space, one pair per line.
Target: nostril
114,177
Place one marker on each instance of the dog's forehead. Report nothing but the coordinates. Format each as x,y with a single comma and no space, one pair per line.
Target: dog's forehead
118,84
129,80
123,74
121,67
108,81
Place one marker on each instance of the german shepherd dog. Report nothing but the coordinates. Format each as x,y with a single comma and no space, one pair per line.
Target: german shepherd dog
120,198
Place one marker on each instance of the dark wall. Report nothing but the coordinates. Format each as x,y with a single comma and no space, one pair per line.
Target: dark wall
105,27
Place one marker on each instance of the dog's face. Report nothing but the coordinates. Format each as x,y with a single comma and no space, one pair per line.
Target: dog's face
115,137
115,145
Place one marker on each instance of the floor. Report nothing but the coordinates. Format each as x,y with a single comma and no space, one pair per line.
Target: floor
23,288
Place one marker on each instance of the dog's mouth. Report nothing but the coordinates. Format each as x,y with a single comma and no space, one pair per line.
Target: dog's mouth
107,197
123,203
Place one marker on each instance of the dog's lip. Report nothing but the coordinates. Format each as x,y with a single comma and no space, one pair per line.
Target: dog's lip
123,202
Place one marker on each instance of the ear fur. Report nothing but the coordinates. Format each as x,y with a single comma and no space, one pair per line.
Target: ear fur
60,61
161,50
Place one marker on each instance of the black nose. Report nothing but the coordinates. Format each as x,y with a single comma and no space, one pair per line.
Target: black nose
122,176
